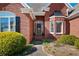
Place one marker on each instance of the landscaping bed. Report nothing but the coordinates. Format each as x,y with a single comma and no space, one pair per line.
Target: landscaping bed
64,50
29,49
66,45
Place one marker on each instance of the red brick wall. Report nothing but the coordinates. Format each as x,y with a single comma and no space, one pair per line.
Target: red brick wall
67,27
74,27
13,7
3,5
25,27
25,20
47,25
64,11
31,28
57,6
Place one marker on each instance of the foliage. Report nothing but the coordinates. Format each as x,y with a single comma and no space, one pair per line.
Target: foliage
77,43
11,42
47,40
66,39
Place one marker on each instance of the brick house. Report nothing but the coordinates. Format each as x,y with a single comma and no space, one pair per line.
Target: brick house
40,20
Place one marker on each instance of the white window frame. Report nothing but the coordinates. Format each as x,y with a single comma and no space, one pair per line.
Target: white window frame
51,27
54,27
62,28
9,29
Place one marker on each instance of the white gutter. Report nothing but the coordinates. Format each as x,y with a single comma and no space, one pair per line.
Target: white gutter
25,5
68,5
74,15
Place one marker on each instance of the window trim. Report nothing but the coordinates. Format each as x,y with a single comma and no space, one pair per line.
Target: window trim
62,28
9,29
35,26
54,27
51,26
55,16
57,11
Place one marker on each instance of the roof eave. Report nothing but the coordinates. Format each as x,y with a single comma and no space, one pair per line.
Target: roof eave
39,13
28,11
25,5
73,16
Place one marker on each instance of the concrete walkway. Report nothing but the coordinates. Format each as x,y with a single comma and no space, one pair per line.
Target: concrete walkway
39,51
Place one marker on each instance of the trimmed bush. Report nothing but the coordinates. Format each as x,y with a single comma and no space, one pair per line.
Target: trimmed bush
77,43
11,43
47,40
67,39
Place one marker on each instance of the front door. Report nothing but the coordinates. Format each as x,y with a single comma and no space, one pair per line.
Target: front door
38,27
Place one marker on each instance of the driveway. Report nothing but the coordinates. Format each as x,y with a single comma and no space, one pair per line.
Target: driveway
39,51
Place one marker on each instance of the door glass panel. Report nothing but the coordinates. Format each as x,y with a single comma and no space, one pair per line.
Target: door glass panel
4,24
38,29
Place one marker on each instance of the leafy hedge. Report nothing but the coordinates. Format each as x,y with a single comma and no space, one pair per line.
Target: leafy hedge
67,39
11,42
77,43
46,41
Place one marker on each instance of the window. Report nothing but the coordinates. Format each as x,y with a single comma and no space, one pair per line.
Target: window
7,24
57,13
59,27
7,21
12,24
56,27
51,26
4,24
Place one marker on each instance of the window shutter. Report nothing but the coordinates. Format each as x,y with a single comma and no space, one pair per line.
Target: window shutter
17,24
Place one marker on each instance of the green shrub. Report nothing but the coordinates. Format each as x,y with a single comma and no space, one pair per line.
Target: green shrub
77,43
47,40
67,39
29,47
11,43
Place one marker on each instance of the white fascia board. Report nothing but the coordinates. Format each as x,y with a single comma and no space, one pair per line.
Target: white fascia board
68,5
56,16
25,5
39,13
29,11
26,10
74,15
